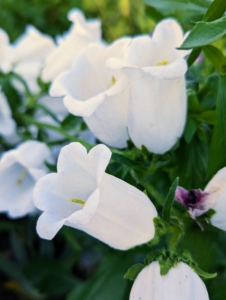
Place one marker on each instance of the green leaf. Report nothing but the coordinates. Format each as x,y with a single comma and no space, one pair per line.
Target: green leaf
193,56
216,57
134,271
215,10
205,33
183,10
208,117
190,130
217,159
169,201
191,163
126,161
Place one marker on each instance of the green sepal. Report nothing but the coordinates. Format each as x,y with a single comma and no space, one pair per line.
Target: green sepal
160,230
204,274
133,271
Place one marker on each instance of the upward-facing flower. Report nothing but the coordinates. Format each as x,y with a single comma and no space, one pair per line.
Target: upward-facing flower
181,283
19,171
71,44
7,124
83,196
157,102
97,94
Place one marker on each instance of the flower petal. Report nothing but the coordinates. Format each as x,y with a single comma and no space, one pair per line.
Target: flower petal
180,283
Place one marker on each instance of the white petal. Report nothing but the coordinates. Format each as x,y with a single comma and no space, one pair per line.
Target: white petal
48,225
124,216
216,190
157,111
83,108
169,33
33,45
74,159
109,121
33,153
174,70
180,283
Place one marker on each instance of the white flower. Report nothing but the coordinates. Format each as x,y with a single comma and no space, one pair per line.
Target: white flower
33,45
31,50
97,94
198,202
7,124
6,52
83,196
80,35
157,103
19,171
181,283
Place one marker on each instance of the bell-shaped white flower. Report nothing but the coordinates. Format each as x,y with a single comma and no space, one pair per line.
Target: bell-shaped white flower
180,283
70,45
83,196
198,202
7,124
6,52
19,171
97,94
31,50
157,103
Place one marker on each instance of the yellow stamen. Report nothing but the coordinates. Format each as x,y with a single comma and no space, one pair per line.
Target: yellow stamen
22,176
162,63
78,201
112,82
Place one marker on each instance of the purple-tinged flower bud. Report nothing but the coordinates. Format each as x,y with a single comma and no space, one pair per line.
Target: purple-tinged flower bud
196,201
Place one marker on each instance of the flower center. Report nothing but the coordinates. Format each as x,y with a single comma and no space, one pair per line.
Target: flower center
192,197
112,82
162,63
78,201
22,176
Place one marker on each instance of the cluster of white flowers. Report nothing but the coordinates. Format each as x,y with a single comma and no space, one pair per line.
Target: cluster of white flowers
132,89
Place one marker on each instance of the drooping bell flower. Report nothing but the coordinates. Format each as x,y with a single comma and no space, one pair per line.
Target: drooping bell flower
198,202
70,45
98,95
180,283
157,102
19,171
83,196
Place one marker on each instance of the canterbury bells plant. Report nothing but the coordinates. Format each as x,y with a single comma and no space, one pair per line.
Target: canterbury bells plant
83,196
92,129
157,101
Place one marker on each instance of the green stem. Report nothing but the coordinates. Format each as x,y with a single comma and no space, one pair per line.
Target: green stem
72,138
